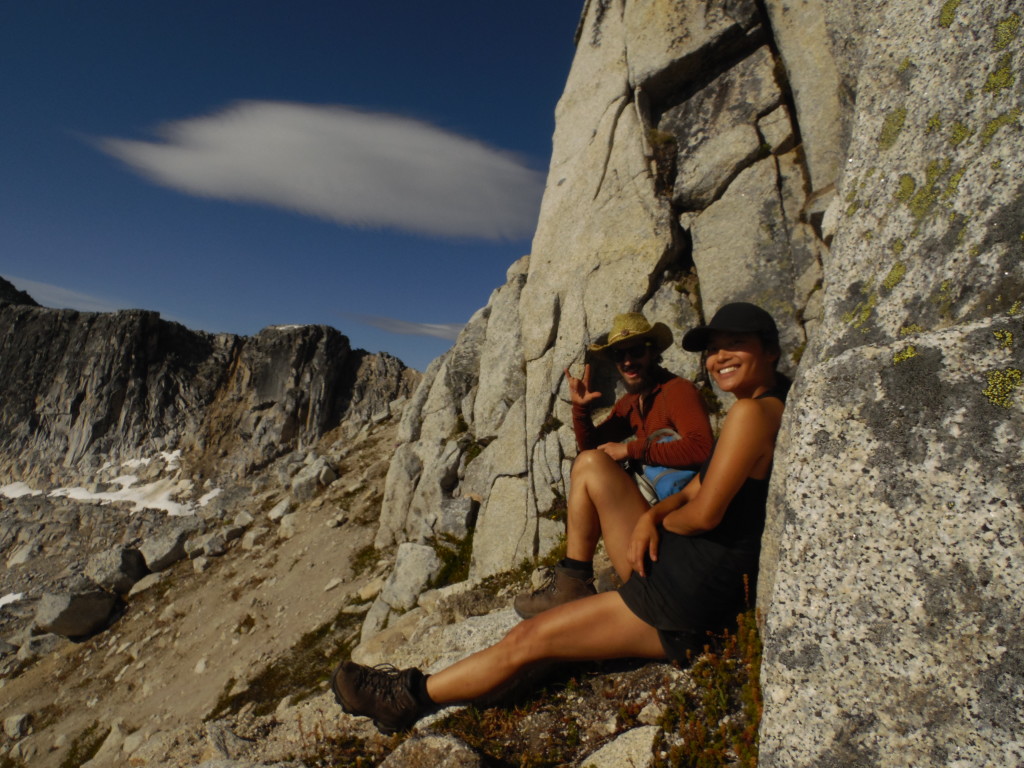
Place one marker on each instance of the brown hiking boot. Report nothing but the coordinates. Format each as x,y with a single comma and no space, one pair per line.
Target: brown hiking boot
384,694
563,586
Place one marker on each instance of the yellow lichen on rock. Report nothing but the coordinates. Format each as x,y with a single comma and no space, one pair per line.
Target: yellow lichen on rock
1001,386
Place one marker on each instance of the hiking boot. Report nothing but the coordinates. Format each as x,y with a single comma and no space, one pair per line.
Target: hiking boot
563,586
384,694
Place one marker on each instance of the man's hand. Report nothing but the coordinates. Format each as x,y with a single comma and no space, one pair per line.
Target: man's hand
579,389
616,451
644,541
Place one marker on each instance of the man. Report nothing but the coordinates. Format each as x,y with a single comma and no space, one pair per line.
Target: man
655,400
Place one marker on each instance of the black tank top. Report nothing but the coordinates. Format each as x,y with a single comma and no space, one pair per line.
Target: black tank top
743,522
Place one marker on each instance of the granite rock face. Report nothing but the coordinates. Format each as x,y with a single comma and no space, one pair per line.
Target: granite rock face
81,389
893,630
853,167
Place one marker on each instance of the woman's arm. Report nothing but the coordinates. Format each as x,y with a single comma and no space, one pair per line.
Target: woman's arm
744,450
645,533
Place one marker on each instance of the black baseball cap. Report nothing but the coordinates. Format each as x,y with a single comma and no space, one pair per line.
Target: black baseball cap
738,317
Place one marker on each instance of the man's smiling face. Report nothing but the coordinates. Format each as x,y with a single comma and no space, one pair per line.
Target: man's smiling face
635,363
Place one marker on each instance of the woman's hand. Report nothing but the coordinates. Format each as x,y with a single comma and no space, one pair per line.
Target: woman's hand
644,541
579,389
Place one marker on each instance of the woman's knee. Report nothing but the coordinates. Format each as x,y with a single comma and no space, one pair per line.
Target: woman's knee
525,642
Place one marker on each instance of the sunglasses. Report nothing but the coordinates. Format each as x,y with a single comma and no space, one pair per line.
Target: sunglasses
619,354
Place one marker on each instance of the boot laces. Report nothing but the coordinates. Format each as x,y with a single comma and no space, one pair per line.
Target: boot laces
548,585
383,681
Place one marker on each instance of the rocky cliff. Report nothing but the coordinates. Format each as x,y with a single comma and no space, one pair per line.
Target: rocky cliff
83,389
853,167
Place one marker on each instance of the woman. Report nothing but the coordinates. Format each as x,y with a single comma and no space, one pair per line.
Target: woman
687,558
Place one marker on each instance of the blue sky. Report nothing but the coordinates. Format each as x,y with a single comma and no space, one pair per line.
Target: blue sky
232,165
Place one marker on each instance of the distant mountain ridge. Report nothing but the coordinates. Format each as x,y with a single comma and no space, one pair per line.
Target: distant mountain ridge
81,388
11,295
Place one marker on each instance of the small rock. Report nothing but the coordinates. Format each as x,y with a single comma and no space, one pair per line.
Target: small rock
433,751
251,537
633,748
16,726
162,551
651,713
147,583
286,529
371,590
23,554
282,508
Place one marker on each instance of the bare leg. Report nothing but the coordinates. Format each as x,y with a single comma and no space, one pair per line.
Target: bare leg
603,499
597,627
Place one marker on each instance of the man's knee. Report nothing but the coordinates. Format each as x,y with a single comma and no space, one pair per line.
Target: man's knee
591,461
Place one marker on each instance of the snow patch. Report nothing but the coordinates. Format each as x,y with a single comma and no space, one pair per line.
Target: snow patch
161,494
17,490
206,498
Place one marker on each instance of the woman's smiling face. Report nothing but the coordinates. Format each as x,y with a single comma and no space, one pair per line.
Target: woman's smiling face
739,363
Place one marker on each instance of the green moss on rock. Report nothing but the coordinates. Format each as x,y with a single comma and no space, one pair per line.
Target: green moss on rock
891,128
905,188
953,185
959,133
948,13
923,200
858,317
1006,31
993,125
895,276
1002,77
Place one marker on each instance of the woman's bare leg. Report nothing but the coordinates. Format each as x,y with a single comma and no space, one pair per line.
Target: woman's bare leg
597,627
603,500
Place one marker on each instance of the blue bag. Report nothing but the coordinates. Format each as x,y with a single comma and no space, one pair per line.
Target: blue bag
664,481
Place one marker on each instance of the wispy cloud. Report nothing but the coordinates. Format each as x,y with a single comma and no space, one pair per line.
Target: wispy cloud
439,330
55,297
350,166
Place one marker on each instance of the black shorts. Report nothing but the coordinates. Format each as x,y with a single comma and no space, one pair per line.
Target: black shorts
696,586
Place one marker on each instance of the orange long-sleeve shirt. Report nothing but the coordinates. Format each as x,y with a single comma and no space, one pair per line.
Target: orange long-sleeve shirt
673,403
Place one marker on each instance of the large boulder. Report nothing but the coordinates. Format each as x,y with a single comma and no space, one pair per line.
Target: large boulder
75,615
893,559
117,570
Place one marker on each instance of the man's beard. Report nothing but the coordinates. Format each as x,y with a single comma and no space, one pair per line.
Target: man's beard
642,383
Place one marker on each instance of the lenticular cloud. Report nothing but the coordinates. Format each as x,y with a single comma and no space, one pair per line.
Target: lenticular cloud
449,331
353,167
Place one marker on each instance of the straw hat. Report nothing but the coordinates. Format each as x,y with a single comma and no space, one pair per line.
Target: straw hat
634,327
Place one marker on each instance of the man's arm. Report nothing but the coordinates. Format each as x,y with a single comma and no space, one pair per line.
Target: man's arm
681,408
615,427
